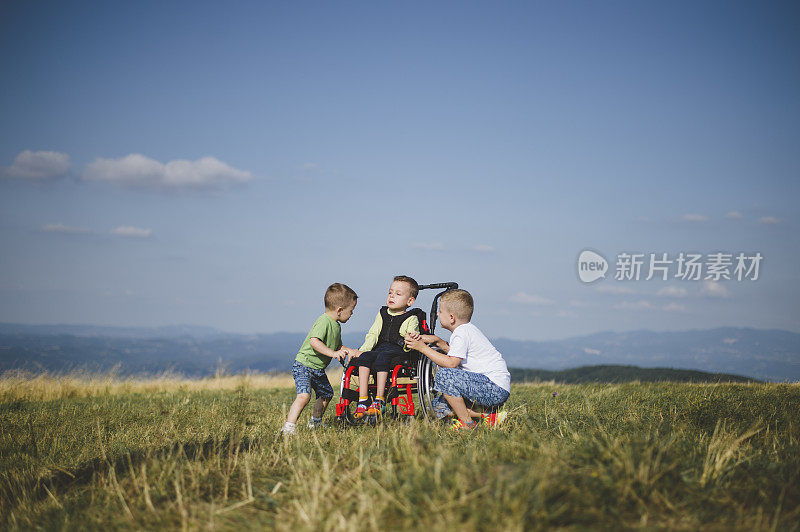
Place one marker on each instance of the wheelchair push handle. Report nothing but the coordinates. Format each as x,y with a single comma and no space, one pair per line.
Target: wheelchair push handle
446,286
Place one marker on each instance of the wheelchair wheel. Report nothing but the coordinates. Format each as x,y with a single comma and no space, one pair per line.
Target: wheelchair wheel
426,375
348,389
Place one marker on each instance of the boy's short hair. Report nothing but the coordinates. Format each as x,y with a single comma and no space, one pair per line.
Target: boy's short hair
411,282
339,295
460,303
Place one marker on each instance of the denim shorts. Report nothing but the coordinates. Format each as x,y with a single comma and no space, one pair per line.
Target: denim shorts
307,379
473,387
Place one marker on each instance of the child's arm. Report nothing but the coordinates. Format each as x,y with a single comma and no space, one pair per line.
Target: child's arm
417,343
372,335
431,339
320,347
352,351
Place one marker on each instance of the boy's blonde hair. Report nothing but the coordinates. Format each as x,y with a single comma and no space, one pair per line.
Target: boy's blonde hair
339,295
460,303
411,282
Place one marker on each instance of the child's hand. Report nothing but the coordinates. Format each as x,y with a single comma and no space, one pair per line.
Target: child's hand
341,354
414,341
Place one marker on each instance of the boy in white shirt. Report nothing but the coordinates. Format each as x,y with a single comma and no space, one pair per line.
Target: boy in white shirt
470,367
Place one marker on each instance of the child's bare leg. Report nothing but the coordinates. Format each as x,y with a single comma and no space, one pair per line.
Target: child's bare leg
297,407
382,376
459,408
320,406
475,410
472,413
363,381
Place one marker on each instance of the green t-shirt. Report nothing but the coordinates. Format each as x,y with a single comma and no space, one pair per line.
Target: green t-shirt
329,331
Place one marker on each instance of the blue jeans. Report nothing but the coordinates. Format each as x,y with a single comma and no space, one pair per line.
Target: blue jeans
307,379
473,387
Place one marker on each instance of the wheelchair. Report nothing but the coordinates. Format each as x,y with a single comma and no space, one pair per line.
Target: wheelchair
409,390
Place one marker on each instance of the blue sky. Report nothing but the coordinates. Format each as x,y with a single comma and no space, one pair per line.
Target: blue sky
221,163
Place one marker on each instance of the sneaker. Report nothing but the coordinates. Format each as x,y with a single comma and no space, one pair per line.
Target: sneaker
457,424
494,419
375,408
313,424
287,430
361,410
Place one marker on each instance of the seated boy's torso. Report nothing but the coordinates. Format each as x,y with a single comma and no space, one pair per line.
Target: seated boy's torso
391,328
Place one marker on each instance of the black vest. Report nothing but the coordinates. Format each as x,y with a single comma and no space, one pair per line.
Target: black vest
390,330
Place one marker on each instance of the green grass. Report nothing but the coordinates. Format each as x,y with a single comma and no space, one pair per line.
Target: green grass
651,456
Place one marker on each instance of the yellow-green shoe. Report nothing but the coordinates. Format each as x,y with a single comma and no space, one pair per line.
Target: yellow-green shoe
457,424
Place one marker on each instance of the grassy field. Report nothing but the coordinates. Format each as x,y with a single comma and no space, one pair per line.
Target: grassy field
81,453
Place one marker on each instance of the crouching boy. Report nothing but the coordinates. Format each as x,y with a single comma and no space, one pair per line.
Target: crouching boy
322,344
470,367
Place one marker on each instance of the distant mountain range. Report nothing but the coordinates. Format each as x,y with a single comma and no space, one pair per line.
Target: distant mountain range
772,355
763,354
615,373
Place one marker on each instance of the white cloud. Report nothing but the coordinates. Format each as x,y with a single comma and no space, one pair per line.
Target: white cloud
672,291
768,220
483,248
730,341
428,245
529,299
139,171
131,232
734,215
674,307
694,218
578,304
37,165
713,289
615,289
61,228
634,305
590,351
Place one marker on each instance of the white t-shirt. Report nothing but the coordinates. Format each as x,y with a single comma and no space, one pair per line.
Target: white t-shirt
479,355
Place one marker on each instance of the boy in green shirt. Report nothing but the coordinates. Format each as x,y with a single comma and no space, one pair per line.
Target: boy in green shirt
322,344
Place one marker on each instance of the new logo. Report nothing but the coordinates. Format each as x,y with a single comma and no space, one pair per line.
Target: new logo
591,266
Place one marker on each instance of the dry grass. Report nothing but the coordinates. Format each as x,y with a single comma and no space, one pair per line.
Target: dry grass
47,387
204,456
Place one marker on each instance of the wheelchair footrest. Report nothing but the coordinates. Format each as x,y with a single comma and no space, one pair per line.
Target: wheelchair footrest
350,395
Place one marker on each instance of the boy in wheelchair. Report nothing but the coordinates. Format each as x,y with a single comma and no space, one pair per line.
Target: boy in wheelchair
384,346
